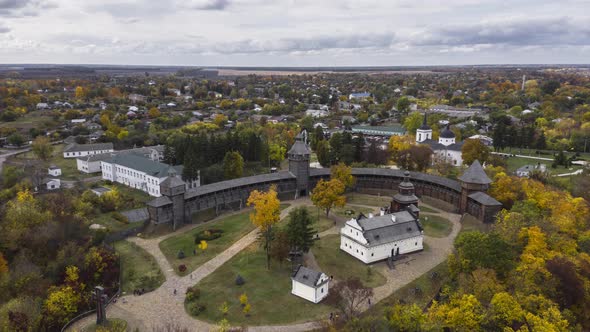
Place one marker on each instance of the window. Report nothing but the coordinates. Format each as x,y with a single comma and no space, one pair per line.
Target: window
372,254
322,289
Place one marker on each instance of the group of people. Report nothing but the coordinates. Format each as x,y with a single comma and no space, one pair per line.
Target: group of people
139,291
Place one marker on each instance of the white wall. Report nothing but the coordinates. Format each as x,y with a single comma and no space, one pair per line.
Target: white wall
373,254
85,153
311,294
88,166
451,156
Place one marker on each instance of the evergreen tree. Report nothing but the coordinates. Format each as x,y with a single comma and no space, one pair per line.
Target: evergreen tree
541,144
323,153
190,170
233,165
169,155
300,230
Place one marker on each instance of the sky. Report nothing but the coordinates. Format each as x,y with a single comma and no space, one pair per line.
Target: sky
295,32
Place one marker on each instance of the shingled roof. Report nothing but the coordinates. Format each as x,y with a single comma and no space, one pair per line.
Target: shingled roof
475,174
307,276
299,148
74,147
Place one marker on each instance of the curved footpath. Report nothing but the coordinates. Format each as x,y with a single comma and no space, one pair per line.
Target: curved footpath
156,310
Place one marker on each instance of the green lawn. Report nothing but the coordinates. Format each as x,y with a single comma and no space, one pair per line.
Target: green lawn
514,163
369,200
234,227
68,166
349,211
31,120
337,263
428,283
140,269
324,223
269,292
436,226
113,225
424,208
113,325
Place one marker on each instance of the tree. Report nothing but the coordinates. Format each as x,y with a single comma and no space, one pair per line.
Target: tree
154,113
277,153
61,305
415,158
220,120
190,170
42,148
300,229
462,313
403,104
280,248
484,250
399,143
233,165
81,92
405,318
3,265
349,296
343,173
15,139
328,194
474,149
412,122
323,153
266,214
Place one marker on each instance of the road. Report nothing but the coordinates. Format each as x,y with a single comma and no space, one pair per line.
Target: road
4,156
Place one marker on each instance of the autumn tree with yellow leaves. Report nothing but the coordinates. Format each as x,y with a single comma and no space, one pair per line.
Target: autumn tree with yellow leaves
328,194
266,214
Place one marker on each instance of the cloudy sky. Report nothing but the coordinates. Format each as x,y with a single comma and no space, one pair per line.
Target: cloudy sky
295,32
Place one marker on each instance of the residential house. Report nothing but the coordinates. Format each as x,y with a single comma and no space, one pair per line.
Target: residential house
54,170
310,284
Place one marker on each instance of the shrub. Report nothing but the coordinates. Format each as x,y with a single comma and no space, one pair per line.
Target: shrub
239,280
120,217
196,308
180,255
208,235
148,282
193,293
182,268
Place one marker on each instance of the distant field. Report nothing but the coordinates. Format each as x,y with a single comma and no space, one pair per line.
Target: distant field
28,121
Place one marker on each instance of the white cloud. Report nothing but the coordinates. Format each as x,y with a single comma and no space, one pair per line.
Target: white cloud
294,32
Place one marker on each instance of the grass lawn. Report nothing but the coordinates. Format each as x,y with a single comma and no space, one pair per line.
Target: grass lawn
369,200
69,168
269,292
31,120
428,283
424,208
354,209
513,163
140,269
436,226
234,227
113,324
324,223
113,225
337,263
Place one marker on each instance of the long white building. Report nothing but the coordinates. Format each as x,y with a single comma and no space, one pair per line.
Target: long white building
140,173
92,163
75,150
375,238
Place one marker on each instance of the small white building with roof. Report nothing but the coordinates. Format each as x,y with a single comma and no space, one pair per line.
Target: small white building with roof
310,284
54,170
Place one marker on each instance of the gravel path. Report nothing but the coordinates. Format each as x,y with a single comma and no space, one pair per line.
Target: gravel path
154,310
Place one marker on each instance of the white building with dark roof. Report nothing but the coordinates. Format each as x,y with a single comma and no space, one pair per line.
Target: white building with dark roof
75,150
141,173
310,284
446,148
375,238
